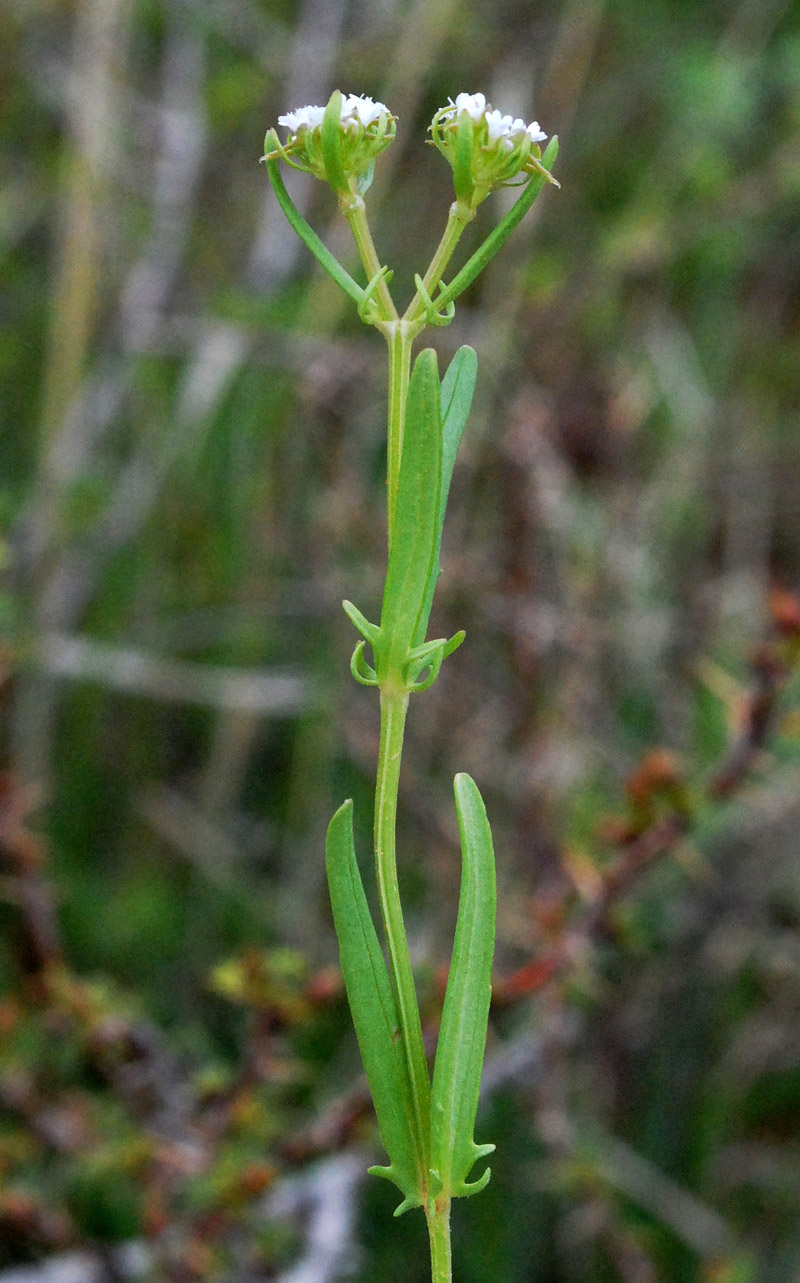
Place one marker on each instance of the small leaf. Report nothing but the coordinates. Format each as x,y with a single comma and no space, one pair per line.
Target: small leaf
373,1009
458,387
429,656
462,1036
416,524
370,632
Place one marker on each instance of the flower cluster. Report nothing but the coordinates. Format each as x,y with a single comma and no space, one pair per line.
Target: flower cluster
485,148
365,129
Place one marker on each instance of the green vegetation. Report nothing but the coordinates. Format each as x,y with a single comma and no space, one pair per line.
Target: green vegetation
193,478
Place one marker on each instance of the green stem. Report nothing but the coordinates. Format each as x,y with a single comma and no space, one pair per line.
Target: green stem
354,211
394,706
460,214
439,1234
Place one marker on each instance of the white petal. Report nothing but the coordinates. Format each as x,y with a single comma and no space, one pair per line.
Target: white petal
365,109
496,123
302,118
473,104
537,135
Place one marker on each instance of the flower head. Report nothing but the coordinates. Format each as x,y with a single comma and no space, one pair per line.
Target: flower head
485,148
363,129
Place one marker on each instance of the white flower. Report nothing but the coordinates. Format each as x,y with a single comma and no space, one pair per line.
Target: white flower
365,110
496,123
500,147
355,111
366,127
473,104
498,126
302,118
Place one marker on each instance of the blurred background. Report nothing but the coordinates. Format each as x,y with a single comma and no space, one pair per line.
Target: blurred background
192,479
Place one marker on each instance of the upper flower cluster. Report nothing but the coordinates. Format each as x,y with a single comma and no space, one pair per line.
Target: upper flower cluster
498,126
485,148
355,110
365,128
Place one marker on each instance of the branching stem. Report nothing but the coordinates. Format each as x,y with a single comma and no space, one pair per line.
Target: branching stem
353,208
458,218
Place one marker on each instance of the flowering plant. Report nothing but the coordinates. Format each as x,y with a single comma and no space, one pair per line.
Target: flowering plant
426,1125
364,128
485,149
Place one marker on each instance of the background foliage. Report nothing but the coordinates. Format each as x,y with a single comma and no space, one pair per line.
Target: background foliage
191,482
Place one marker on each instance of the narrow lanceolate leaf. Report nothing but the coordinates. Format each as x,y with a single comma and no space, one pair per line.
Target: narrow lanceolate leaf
373,1009
458,387
416,525
307,235
462,1037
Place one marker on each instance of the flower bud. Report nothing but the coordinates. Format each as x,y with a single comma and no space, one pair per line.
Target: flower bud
485,149
338,143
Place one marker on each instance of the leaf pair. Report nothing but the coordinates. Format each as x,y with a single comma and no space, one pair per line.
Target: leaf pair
450,1151
434,424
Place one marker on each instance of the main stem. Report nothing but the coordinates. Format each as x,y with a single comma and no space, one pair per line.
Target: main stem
439,1234
394,708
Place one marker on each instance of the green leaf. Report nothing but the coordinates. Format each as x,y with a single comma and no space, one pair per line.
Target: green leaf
416,526
373,1009
306,233
462,1036
370,632
462,159
331,138
458,387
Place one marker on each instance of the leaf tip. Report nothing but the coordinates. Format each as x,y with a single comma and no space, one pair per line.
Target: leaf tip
468,1188
340,817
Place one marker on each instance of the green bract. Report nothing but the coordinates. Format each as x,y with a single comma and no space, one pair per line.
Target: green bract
426,1128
